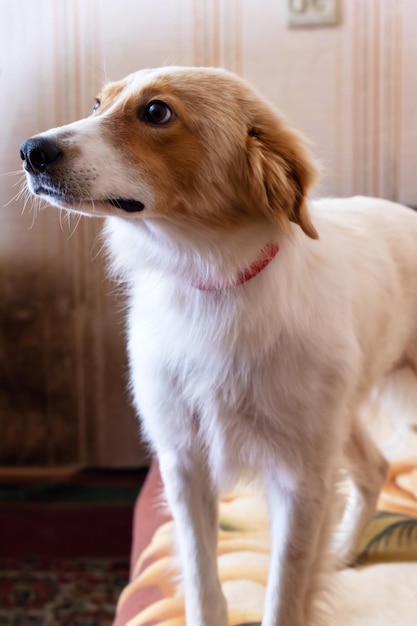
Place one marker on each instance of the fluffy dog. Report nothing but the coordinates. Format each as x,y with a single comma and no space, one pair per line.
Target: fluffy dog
259,322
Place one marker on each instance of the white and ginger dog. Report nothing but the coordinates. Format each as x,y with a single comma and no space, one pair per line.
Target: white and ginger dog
259,321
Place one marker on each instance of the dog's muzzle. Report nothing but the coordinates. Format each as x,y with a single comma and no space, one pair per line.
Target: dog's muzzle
40,155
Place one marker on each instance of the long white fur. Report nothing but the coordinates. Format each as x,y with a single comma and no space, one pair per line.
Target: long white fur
266,379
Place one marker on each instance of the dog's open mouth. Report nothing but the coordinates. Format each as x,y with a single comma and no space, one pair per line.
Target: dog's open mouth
131,206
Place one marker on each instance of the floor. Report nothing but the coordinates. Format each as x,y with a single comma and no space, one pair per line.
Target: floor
65,547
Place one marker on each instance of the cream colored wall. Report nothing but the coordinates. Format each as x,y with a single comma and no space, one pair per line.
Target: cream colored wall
351,89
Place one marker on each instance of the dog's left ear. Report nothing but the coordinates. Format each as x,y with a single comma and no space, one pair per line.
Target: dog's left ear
281,171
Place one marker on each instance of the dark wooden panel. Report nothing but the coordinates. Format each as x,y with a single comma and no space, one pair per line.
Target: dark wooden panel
63,398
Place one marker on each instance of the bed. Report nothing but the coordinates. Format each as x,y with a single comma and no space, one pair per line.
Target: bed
381,590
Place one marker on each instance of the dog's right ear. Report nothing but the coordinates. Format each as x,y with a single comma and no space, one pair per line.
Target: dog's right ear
280,173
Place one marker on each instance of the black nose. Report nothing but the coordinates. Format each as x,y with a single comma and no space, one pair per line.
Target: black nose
39,153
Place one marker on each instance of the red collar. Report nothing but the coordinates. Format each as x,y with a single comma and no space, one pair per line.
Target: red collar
268,253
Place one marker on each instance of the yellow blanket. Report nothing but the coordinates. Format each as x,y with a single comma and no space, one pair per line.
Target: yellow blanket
243,558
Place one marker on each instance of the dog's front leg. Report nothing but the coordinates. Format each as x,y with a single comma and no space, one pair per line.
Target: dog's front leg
298,520
193,503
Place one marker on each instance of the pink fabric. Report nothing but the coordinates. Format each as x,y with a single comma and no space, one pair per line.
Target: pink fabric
149,514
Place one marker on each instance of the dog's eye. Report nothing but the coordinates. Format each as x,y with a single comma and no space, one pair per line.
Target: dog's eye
96,105
157,112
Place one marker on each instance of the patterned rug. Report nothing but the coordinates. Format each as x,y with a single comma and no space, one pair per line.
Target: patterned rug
64,548
65,592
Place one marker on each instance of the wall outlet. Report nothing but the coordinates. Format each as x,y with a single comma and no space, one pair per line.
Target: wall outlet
301,13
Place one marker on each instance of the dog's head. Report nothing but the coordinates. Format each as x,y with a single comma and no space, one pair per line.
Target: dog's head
177,143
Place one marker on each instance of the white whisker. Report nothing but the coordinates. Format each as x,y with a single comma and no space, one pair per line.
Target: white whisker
78,219
12,173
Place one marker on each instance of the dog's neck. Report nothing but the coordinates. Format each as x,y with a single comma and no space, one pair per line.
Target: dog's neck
267,254
199,260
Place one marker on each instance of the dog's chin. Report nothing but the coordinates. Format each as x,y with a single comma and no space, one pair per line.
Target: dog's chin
64,202
91,207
